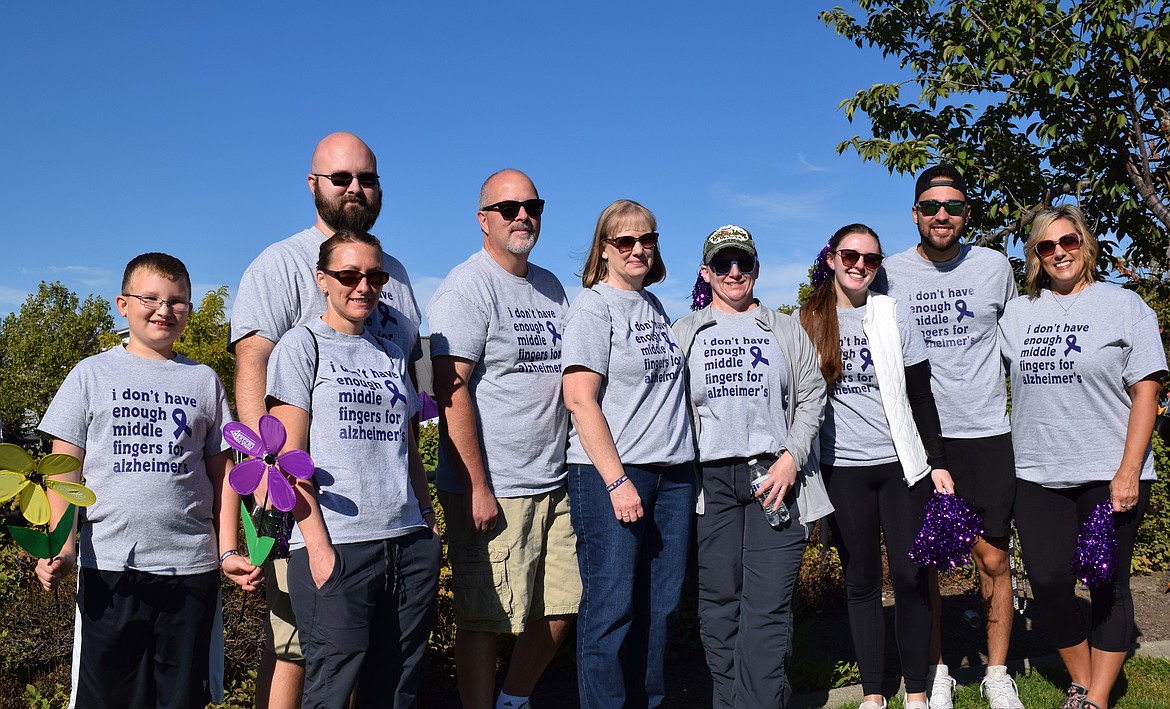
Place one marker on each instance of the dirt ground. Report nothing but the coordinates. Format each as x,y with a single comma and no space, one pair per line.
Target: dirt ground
825,637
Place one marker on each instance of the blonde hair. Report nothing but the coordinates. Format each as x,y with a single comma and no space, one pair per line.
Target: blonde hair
613,217
1035,277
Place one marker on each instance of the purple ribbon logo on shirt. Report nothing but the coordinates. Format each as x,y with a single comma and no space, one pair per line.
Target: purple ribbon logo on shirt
1070,344
669,342
395,394
758,356
179,417
384,312
964,311
866,359
553,329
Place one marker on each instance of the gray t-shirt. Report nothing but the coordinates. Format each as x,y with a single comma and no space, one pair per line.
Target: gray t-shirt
1072,360
360,403
856,431
147,427
511,328
279,291
625,336
739,386
956,305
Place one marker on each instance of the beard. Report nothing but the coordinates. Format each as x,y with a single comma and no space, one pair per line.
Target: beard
521,241
349,212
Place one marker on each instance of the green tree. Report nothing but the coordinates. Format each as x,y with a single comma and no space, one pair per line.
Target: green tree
1037,101
53,331
205,339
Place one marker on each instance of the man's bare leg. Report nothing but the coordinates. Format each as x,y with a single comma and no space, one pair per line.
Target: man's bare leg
279,683
475,667
534,650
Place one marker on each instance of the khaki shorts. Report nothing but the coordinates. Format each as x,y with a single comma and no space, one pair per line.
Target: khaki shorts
280,628
524,568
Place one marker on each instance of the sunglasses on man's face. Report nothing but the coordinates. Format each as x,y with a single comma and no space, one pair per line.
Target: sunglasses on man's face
510,208
625,244
1068,242
721,265
930,207
350,278
849,259
343,179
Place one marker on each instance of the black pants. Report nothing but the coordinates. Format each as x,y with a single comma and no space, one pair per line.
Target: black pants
144,639
1049,520
870,502
368,625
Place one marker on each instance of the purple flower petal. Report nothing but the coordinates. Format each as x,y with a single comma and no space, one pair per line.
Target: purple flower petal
245,477
297,464
280,492
243,439
272,431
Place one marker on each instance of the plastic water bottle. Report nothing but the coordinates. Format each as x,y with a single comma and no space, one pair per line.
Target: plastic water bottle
777,517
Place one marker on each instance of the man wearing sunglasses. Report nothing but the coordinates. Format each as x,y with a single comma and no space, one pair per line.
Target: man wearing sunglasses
496,324
278,292
956,293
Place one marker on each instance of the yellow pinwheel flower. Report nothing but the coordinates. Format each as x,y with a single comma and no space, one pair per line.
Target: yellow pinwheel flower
21,475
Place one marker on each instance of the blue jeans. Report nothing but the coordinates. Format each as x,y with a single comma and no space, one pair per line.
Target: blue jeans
632,578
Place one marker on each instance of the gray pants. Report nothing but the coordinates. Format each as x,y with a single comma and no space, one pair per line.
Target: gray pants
747,573
368,625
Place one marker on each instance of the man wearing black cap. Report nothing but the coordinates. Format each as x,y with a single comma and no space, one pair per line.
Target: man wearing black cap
956,293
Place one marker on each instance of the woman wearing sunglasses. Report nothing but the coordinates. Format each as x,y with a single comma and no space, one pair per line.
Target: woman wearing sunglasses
881,453
755,392
631,484
1086,362
364,569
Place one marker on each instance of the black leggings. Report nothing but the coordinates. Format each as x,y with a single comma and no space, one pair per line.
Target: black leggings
1049,520
872,501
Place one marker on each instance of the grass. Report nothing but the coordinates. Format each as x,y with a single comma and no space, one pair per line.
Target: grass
1144,684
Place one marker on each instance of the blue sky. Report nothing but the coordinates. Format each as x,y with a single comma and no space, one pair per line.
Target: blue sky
188,128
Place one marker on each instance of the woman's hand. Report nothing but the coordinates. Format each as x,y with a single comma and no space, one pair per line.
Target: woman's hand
781,478
321,565
942,481
1123,490
237,568
51,571
627,503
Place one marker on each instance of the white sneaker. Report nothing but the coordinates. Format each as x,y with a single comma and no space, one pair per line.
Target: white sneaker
914,704
873,705
999,689
941,689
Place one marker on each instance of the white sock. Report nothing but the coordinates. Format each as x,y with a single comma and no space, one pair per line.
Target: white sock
939,670
507,701
996,670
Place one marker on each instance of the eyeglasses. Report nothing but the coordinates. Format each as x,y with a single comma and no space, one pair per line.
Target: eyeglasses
625,244
930,207
721,265
350,278
849,259
153,303
509,208
343,179
1068,242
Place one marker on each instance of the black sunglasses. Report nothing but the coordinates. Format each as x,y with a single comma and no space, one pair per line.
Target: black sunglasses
509,208
625,244
350,278
849,259
1068,242
930,207
343,179
721,265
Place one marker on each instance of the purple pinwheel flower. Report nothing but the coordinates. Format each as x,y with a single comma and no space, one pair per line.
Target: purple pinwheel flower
245,477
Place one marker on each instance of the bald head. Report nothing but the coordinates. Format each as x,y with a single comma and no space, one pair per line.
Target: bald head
341,147
509,175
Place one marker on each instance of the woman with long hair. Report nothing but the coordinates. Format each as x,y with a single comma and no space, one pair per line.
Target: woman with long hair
631,482
1086,363
881,453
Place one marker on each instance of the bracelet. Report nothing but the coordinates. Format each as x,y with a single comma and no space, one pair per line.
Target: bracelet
616,484
230,552
427,511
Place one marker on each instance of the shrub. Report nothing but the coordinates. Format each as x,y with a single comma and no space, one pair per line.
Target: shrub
1152,549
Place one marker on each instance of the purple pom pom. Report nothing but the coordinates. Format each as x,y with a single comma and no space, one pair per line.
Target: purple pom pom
1096,555
701,293
821,270
949,530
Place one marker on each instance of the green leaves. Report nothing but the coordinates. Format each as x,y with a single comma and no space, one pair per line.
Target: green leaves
41,544
258,547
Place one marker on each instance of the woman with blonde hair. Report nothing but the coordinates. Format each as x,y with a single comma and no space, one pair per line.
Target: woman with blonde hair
1086,361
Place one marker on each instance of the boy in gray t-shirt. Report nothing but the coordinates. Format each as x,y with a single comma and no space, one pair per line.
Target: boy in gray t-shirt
146,424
